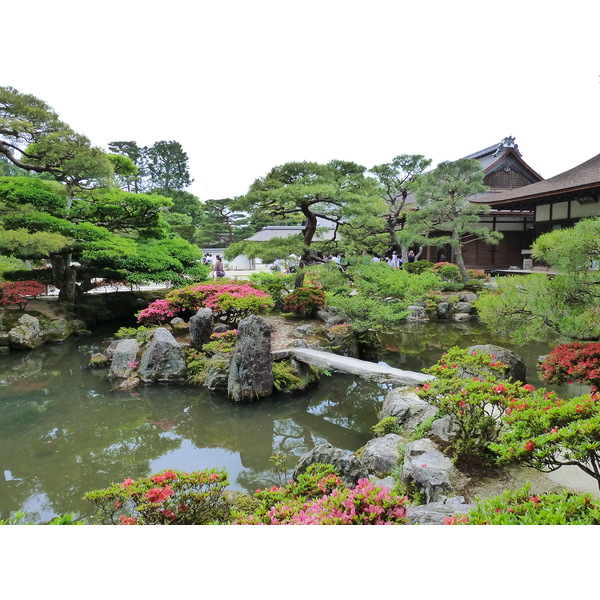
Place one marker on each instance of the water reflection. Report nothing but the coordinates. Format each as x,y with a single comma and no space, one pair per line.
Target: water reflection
63,431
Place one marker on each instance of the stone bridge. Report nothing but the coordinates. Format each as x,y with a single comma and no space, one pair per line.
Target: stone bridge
362,368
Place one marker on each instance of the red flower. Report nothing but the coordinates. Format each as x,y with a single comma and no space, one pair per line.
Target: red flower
499,389
123,520
159,494
528,387
529,446
127,483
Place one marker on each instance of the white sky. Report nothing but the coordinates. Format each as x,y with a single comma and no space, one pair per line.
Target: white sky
245,85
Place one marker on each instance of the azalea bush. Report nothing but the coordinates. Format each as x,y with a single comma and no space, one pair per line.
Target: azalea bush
305,301
522,507
229,302
167,498
470,387
320,498
545,432
447,271
576,361
19,292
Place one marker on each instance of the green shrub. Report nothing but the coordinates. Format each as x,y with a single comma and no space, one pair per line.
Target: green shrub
417,267
385,426
447,271
278,285
521,507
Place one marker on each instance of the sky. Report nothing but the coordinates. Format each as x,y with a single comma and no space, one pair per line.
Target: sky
245,85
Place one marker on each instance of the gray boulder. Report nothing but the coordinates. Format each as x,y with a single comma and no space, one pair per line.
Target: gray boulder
444,310
381,455
330,315
515,366
349,468
216,373
201,328
124,359
27,334
436,513
429,470
162,359
250,370
407,407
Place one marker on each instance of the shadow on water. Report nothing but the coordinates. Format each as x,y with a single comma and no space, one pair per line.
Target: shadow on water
63,431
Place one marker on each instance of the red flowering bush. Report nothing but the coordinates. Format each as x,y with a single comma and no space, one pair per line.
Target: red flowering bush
305,301
546,432
320,498
167,498
471,388
521,507
19,292
576,361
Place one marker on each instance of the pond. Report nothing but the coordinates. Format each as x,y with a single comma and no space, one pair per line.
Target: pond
63,431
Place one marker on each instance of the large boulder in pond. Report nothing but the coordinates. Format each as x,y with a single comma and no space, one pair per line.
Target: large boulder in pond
349,468
201,328
124,359
27,334
515,365
250,370
163,359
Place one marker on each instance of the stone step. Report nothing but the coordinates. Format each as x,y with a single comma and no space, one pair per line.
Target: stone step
343,364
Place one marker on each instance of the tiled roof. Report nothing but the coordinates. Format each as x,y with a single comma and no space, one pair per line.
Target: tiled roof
584,176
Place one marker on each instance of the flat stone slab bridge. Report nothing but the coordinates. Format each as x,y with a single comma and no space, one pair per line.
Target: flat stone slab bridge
362,368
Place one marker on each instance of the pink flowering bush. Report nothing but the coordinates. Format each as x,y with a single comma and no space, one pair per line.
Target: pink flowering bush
576,361
230,302
320,498
221,343
167,498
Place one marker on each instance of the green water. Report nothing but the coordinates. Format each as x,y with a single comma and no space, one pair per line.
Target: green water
64,432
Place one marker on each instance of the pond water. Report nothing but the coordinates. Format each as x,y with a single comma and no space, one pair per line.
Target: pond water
63,431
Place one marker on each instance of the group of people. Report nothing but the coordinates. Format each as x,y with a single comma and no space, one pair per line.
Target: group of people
393,260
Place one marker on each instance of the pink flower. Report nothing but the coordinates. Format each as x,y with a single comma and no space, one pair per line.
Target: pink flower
127,483
499,389
529,446
528,387
123,520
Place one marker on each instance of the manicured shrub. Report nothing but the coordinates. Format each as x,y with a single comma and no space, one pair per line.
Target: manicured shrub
521,507
447,271
167,498
417,267
305,301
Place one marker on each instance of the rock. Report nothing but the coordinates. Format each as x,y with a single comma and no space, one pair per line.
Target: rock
407,407
464,307
220,328
250,369
27,334
418,313
381,455
129,383
444,428
444,310
124,359
330,315
201,328
435,513
428,469
342,341
58,330
458,317
162,359
216,373
98,361
515,366
349,468
467,297
307,329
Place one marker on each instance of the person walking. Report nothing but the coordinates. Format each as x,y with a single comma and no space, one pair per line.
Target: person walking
411,256
218,267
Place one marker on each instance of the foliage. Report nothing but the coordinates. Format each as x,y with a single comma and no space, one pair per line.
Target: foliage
230,302
445,214
167,498
417,267
468,387
305,301
447,271
385,426
319,498
196,366
221,343
277,285
19,292
19,517
542,307
574,361
543,431
287,378
521,507
141,333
